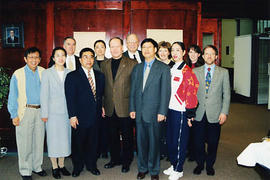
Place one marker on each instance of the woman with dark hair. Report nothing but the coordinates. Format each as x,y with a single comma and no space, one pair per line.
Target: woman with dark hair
54,112
100,49
164,54
194,58
182,107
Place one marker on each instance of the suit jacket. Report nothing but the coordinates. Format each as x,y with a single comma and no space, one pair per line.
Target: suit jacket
117,91
77,63
16,40
140,53
218,98
80,99
156,95
52,95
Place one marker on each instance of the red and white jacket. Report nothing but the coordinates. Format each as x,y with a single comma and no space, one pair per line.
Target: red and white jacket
184,87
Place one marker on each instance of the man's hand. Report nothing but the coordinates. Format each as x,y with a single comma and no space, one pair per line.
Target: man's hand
74,122
103,112
44,119
222,118
189,122
132,115
16,121
160,117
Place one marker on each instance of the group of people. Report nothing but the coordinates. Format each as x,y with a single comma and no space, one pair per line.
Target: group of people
87,102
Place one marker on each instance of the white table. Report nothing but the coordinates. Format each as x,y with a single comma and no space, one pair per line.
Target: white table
255,153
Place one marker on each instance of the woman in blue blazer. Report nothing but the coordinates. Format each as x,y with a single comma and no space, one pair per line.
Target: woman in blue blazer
54,112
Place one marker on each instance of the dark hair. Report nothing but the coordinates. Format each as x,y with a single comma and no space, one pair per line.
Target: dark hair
155,44
200,60
211,46
86,50
164,44
121,40
69,37
99,41
32,50
52,62
181,44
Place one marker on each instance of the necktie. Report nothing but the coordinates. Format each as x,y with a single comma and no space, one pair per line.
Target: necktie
145,75
70,64
134,57
90,79
208,80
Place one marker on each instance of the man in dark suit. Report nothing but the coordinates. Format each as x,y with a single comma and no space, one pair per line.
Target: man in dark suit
132,46
84,89
72,61
214,101
149,101
12,38
117,71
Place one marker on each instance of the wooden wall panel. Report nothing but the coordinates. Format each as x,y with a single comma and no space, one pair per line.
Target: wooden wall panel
165,19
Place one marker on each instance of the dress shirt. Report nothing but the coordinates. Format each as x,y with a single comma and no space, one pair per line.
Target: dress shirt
148,63
72,59
115,65
211,71
137,55
32,84
91,73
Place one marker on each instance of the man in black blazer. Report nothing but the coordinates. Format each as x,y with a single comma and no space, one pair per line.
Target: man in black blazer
12,38
132,46
84,89
72,61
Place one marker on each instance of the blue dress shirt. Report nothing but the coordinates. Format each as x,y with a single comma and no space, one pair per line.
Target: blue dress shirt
148,64
211,71
32,84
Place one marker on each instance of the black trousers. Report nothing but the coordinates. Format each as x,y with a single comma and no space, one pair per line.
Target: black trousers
205,133
84,147
103,136
121,126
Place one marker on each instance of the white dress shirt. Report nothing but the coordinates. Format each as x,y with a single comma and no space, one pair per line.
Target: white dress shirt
137,55
91,74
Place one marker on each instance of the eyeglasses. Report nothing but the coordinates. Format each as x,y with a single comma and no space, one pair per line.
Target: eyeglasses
87,57
33,57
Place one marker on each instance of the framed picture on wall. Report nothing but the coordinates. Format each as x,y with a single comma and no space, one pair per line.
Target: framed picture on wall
13,35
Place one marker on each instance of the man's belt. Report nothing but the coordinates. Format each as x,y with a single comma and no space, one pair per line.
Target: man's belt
33,106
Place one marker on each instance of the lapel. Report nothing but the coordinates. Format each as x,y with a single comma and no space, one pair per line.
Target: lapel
153,71
214,78
55,75
140,75
108,69
96,82
121,67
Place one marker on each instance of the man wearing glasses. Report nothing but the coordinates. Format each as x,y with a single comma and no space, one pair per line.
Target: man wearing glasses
84,90
24,109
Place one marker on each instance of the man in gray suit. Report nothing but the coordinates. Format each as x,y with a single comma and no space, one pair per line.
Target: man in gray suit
149,100
214,101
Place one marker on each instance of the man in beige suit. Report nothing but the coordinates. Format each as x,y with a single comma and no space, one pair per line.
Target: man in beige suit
117,71
214,101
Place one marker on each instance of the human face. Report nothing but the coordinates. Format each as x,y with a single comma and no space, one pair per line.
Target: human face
100,49
132,43
11,33
59,57
209,56
163,53
148,51
193,56
70,46
116,48
87,60
32,60
177,52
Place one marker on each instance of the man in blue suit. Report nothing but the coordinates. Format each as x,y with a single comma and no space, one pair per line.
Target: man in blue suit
149,100
84,89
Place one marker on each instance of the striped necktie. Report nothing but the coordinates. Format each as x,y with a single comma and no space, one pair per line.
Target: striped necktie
208,80
90,79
